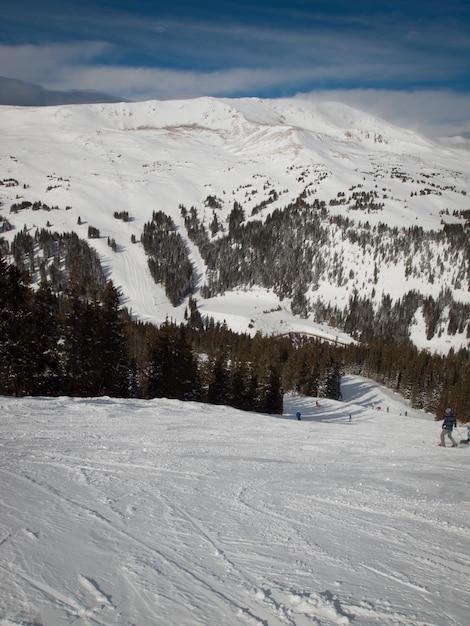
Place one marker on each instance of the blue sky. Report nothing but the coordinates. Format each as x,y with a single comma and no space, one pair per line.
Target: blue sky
406,60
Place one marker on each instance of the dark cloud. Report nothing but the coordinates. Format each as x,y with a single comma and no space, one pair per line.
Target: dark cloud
20,93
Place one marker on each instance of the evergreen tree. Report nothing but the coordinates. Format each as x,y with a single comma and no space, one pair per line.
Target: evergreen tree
45,343
218,391
16,331
110,345
174,372
78,327
243,385
270,396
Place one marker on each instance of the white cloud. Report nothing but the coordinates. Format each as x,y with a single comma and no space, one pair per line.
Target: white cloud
156,83
79,66
431,112
38,63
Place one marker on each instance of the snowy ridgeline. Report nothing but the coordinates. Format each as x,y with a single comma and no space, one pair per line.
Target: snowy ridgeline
119,512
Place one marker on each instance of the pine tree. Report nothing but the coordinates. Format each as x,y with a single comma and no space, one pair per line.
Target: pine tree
174,372
45,342
78,325
110,345
270,396
16,331
218,391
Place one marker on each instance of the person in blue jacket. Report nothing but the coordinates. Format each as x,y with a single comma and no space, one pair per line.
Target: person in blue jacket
467,440
298,415
447,426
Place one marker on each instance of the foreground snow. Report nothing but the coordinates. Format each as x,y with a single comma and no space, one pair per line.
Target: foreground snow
163,513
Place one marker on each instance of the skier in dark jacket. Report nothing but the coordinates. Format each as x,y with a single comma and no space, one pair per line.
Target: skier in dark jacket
467,440
447,426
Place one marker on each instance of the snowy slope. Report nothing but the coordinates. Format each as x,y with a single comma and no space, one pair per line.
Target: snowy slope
147,156
161,513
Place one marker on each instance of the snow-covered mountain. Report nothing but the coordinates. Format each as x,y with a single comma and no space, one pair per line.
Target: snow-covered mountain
88,163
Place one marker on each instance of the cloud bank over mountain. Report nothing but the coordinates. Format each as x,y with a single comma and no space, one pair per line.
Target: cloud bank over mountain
406,62
20,93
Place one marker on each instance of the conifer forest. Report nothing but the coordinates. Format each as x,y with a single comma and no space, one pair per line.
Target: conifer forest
114,218
71,337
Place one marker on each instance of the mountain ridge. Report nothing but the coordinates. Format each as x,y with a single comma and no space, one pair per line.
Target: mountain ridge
93,161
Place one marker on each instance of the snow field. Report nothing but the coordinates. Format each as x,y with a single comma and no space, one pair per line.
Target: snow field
119,512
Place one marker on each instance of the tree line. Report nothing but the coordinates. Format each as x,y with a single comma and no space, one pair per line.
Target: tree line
68,344
295,249
292,251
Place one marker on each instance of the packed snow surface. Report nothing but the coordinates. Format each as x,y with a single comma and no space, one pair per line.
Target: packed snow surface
120,512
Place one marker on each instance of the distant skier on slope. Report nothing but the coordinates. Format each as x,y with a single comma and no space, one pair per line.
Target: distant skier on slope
298,415
467,440
449,423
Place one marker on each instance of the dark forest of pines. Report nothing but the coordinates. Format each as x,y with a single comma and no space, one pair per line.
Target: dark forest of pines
81,345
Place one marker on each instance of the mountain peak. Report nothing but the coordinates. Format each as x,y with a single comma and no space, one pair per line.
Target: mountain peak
209,155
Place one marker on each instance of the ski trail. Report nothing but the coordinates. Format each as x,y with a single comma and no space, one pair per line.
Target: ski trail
70,605
162,513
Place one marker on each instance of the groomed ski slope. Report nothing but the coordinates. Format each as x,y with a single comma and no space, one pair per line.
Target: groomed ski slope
149,513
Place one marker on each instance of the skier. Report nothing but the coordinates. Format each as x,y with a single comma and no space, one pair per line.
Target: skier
447,426
467,440
298,415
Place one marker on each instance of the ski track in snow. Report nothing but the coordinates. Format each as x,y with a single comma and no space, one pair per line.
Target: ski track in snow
129,512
